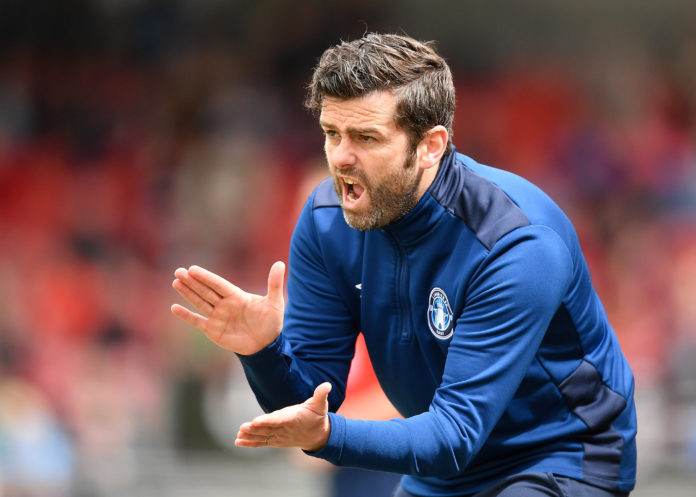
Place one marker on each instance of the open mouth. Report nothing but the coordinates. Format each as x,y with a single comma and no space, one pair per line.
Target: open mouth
352,191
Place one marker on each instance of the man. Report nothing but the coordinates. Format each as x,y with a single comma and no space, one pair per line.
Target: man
468,284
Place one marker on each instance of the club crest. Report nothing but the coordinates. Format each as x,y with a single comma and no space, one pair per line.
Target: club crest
440,318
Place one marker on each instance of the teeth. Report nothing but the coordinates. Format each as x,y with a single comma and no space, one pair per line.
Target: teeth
350,194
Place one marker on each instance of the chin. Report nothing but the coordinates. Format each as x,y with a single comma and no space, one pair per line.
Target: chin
364,222
361,223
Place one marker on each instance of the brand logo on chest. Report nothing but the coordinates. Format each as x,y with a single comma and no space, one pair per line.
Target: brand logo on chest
440,318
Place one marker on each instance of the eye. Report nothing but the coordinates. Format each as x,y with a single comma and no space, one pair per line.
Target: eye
366,138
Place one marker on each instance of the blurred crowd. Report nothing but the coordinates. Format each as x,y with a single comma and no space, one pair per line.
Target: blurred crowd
118,166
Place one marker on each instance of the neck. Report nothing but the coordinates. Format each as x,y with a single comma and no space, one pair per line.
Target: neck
426,180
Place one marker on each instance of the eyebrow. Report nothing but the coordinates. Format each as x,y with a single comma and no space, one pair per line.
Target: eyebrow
353,130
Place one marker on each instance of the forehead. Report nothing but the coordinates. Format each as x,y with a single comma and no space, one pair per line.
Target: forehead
376,109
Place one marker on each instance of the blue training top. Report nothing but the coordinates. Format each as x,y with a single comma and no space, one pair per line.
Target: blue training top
483,328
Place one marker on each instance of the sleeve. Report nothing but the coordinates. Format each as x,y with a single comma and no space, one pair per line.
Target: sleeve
318,338
511,300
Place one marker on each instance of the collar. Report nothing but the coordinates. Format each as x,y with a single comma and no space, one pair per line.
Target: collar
421,220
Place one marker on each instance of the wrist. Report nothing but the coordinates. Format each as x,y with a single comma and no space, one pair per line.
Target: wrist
261,350
333,448
322,439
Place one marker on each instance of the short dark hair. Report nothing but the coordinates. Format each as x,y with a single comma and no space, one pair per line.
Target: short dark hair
411,69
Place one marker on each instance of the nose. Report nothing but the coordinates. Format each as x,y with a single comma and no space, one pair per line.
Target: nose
341,154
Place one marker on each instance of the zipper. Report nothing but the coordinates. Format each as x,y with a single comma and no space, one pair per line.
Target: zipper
402,301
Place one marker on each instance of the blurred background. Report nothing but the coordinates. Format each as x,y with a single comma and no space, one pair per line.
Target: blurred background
137,136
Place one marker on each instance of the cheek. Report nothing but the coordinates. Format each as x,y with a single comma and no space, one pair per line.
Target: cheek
327,156
330,154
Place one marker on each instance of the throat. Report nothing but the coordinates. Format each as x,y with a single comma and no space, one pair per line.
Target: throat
351,193
354,192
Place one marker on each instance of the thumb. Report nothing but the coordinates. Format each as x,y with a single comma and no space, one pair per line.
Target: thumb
319,402
276,276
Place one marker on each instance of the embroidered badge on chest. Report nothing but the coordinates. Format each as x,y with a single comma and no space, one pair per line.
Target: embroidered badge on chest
440,318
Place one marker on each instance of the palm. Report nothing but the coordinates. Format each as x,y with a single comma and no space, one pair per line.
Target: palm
232,318
305,425
244,324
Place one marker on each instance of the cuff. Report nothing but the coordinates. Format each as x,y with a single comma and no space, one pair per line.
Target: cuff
334,446
270,353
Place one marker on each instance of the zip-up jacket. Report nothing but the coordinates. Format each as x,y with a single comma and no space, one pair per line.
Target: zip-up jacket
482,326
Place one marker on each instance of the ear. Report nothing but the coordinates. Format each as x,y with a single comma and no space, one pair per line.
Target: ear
432,147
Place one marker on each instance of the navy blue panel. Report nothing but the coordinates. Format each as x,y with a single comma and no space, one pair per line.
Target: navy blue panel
597,405
561,352
590,398
326,195
562,338
602,456
482,205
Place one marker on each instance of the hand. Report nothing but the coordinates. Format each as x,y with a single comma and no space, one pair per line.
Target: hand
305,425
232,318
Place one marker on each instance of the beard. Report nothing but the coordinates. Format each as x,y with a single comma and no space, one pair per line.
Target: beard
390,199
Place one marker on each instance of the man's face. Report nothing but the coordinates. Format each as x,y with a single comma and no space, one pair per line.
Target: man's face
374,168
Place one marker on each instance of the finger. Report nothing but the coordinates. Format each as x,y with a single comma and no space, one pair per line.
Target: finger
183,289
323,390
246,440
276,277
191,318
253,438
265,421
217,283
203,290
252,431
319,403
247,436
240,442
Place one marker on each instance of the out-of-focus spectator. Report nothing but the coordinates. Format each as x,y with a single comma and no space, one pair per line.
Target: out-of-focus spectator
37,457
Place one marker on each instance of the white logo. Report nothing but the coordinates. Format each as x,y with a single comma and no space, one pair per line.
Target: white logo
440,318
